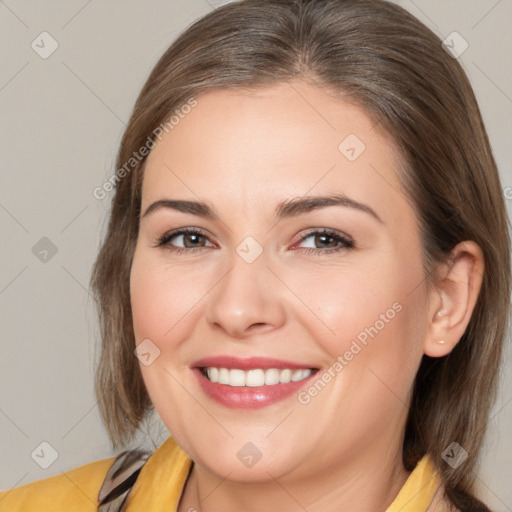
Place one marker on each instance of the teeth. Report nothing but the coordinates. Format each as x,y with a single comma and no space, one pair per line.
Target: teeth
272,377
253,378
236,377
285,376
213,374
223,376
300,374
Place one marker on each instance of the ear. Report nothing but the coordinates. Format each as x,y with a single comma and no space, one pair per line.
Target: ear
453,298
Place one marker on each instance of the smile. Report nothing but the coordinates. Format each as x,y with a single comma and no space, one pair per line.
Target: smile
250,383
236,377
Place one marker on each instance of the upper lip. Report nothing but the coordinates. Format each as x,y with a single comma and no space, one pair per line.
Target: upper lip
248,363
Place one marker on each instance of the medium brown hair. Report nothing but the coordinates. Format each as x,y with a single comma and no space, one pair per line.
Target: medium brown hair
381,58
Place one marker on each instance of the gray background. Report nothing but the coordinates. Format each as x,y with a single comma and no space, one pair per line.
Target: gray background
62,119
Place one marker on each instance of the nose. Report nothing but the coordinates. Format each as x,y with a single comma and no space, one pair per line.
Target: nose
248,300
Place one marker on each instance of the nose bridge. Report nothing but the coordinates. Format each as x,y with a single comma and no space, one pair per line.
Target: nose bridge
248,295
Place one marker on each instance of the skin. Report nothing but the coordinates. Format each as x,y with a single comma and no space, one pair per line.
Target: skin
243,153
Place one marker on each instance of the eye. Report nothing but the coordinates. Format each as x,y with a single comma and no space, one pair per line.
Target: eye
191,238
194,239
329,241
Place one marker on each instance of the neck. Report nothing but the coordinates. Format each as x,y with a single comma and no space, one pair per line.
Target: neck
363,485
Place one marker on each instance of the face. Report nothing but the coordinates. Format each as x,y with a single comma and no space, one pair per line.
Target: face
272,283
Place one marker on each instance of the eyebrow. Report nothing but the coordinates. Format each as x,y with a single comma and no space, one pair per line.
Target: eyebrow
288,208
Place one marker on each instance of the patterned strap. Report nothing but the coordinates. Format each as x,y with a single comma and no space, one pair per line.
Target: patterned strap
120,479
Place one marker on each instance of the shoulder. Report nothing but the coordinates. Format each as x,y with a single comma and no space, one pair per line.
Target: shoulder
72,490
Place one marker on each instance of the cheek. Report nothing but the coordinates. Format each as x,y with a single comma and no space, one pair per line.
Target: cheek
374,344
162,302
371,314
162,298
345,301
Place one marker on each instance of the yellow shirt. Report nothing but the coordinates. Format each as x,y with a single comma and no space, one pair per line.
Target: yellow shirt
160,484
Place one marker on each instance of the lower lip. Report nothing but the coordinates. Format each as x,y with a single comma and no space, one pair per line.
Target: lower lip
244,397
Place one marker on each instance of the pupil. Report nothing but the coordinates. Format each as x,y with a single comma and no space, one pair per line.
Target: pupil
192,236
324,237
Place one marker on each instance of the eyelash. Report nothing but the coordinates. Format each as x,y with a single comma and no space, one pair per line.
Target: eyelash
346,242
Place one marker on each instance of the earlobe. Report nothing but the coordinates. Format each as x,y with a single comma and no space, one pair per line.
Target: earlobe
438,342
453,298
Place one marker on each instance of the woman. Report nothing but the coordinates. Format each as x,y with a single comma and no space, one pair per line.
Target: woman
355,375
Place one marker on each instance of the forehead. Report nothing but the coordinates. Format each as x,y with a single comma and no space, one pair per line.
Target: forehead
259,147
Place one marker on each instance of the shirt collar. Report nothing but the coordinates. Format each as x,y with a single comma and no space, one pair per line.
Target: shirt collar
162,479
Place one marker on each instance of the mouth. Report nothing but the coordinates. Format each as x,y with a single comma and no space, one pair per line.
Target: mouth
236,377
250,383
